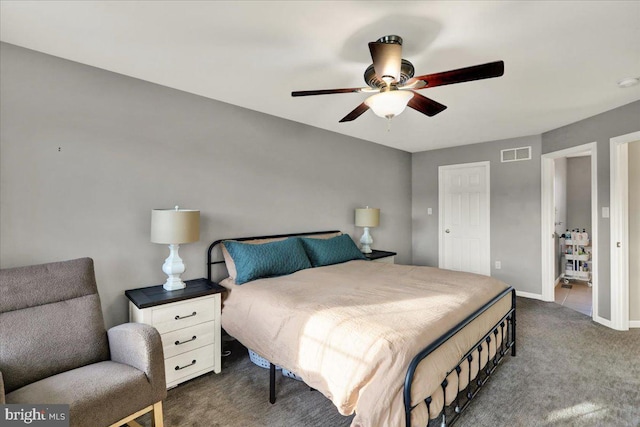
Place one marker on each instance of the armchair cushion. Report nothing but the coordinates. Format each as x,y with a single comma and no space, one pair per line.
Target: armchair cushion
99,394
51,315
34,285
46,340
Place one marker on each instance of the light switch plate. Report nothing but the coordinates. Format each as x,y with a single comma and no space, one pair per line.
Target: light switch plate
605,212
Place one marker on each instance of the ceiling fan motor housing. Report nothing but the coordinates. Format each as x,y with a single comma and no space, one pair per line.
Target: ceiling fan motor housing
373,81
390,39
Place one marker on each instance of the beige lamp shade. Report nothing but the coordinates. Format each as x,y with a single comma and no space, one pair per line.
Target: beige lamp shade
367,217
175,226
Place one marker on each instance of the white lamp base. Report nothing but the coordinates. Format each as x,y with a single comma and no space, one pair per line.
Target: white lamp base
173,267
366,240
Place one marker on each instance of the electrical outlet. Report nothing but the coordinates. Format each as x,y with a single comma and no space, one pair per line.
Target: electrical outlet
498,265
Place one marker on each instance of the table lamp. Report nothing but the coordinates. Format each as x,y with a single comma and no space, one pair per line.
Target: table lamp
367,217
174,227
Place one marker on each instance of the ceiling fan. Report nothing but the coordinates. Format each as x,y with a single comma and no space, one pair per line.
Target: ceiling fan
390,78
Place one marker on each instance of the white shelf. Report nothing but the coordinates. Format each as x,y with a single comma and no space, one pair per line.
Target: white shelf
578,260
580,275
577,242
573,257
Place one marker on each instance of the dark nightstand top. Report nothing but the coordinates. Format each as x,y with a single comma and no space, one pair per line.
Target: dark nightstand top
157,295
376,254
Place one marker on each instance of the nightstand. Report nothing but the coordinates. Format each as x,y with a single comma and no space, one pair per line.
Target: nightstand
189,324
381,256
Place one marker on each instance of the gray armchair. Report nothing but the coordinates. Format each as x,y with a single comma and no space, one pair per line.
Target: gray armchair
54,348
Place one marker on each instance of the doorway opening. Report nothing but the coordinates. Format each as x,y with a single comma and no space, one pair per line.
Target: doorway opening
569,228
572,207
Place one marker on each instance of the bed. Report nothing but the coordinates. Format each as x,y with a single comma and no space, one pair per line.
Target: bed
394,344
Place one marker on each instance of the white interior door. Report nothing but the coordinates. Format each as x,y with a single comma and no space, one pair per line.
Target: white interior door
623,291
464,217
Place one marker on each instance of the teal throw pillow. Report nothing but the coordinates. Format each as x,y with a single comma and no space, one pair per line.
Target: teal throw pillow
267,259
331,251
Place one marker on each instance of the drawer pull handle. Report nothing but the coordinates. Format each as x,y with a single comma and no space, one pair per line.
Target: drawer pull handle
193,362
184,342
184,317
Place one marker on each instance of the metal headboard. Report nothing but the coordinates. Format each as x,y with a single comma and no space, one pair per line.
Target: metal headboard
210,263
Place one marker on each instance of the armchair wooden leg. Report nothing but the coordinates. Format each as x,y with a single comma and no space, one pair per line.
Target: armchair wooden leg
158,420
130,421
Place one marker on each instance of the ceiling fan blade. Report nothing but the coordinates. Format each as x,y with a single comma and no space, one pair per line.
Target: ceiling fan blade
357,112
387,59
467,74
425,105
326,91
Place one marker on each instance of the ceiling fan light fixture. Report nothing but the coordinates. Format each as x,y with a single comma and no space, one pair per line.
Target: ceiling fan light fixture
389,104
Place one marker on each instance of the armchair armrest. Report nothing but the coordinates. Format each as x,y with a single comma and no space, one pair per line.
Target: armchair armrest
2,400
139,345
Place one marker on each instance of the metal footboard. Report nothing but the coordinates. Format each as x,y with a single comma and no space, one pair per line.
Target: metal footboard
449,414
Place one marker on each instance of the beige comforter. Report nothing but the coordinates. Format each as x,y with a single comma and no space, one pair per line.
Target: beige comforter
350,330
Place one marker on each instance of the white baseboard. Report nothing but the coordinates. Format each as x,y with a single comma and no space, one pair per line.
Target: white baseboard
597,319
529,295
602,321
557,282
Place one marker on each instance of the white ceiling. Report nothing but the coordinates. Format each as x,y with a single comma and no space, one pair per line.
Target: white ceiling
562,58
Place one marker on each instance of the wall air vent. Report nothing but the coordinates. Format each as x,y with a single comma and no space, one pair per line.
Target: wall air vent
515,154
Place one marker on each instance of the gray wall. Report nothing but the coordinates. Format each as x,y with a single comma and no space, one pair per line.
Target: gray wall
600,128
579,193
515,208
85,154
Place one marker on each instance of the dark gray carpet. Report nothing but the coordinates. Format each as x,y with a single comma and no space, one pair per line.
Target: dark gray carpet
569,371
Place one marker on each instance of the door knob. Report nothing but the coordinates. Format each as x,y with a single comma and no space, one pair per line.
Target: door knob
447,231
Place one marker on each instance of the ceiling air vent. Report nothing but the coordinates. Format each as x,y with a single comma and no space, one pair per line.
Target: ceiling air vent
515,154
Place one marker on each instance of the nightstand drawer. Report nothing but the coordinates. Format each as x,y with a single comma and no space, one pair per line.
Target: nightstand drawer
181,315
187,339
188,364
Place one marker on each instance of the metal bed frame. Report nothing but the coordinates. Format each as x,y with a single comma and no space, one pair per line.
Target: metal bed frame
448,414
